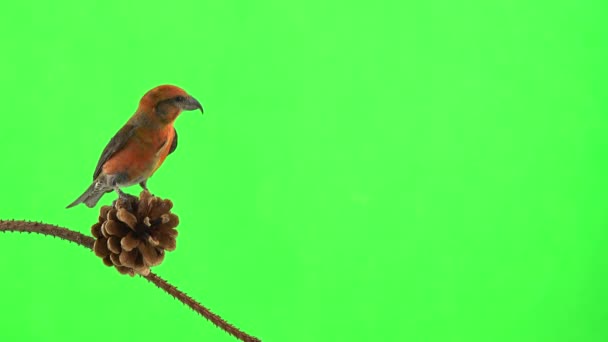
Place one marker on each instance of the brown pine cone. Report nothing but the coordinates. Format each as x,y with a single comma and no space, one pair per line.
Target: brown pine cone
134,234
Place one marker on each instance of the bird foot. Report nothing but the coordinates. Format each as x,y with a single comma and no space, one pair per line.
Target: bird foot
127,200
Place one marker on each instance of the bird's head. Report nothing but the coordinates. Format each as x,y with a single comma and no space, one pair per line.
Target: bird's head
166,102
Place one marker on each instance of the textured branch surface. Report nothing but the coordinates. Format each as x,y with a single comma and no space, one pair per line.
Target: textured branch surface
184,298
87,241
46,229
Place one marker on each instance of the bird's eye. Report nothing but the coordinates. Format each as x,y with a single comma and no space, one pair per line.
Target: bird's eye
180,99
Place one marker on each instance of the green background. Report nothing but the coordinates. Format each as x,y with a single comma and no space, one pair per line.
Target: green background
364,171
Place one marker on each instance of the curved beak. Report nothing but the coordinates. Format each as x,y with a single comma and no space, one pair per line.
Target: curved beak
192,104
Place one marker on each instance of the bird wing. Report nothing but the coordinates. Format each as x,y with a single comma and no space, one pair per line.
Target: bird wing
117,143
174,142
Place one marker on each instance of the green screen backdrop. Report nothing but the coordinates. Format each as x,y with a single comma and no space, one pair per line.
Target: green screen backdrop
429,171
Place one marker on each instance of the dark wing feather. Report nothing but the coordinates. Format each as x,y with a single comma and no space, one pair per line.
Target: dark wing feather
173,143
116,144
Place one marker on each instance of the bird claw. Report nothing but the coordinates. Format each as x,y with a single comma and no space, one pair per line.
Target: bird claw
126,199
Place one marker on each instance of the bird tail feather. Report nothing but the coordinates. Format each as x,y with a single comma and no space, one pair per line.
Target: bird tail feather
90,197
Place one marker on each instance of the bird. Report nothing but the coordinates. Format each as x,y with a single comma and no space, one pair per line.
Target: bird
140,147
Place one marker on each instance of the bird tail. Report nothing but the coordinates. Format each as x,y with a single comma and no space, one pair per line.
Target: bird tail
91,196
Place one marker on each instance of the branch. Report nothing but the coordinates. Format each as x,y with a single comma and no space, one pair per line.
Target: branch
87,241
46,229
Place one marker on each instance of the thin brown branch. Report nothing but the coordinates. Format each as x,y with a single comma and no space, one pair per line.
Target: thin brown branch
87,241
46,229
184,298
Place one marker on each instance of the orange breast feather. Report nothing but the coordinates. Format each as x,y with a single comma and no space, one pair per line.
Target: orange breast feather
142,155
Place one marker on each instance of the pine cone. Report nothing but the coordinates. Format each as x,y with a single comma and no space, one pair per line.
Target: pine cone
134,234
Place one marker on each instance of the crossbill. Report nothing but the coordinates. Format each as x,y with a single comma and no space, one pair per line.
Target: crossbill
141,145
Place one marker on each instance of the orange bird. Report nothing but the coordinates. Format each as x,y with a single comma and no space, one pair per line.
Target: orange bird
141,145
